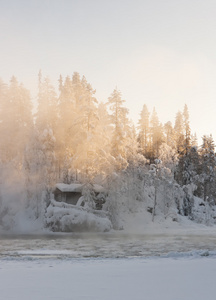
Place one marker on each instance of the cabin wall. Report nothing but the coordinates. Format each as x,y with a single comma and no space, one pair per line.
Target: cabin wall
72,198
67,197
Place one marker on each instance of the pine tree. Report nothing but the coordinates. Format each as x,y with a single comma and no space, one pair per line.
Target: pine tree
40,170
187,130
120,127
77,88
64,136
87,147
208,164
46,126
5,112
16,121
104,137
179,133
169,133
46,116
156,135
194,140
144,131
188,169
132,146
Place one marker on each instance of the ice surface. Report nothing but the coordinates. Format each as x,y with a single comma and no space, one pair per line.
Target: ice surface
97,279
109,266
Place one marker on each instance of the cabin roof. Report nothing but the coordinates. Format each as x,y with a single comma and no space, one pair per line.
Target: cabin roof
73,187
77,187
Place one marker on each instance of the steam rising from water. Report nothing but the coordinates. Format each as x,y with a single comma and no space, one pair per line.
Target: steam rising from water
104,246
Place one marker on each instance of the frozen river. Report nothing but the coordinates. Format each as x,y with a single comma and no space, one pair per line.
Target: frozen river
108,266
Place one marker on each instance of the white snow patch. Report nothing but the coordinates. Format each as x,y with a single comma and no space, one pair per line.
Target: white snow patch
124,279
69,218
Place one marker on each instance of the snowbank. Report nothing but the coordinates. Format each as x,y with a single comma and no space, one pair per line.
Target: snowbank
71,218
139,221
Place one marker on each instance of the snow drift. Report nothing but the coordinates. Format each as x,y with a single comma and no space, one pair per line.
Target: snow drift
70,218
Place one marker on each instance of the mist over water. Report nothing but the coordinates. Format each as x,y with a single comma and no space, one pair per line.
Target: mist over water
110,245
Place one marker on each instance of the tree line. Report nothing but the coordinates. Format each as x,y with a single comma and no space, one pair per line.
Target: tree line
71,137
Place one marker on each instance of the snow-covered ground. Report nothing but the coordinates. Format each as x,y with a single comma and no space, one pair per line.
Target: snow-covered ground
160,260
189,276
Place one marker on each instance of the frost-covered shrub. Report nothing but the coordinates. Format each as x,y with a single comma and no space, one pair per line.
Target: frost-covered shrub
203,212
62,217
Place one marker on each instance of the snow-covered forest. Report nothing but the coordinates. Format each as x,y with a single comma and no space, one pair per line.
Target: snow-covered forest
72,138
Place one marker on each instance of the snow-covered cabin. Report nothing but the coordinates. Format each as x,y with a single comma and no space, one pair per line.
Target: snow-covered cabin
70,193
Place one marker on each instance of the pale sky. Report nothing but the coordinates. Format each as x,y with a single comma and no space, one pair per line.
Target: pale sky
160,53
